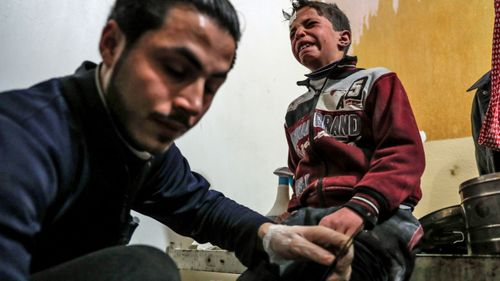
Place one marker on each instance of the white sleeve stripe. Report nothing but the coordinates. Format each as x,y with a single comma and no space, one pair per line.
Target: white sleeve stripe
367,202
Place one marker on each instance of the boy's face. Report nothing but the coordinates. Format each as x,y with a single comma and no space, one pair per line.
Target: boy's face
164,84
313,40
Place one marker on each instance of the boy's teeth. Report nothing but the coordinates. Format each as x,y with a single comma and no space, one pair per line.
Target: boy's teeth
304,46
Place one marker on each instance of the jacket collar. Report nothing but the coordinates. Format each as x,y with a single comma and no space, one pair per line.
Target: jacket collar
141,154
338,70
98,119
483,81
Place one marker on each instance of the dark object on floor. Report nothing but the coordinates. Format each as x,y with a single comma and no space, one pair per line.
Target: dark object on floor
444,231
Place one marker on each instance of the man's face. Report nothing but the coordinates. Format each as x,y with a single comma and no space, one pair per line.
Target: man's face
313,40
164,84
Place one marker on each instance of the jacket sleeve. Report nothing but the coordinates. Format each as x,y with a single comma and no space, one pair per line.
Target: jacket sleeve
398,160
27,181
182,200
293,160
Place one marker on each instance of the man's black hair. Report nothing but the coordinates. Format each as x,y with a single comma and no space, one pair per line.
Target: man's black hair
135,17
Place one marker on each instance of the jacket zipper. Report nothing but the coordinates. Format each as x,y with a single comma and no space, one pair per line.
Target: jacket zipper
319,182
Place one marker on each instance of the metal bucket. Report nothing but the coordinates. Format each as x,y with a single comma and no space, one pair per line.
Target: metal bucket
444,231
481,204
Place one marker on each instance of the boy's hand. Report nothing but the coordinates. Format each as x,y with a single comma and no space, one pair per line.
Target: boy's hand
344,220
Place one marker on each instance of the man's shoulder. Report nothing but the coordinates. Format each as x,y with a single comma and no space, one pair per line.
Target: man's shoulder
43,97
39,113
20,103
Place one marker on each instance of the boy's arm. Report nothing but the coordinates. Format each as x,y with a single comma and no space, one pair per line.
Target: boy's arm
397,162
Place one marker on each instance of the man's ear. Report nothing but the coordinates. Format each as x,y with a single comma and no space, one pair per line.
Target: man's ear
112,43
345,39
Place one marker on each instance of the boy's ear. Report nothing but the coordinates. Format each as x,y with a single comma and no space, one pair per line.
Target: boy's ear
111,43
345,38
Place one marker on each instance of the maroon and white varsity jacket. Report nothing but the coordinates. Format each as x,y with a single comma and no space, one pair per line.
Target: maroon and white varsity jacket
353,141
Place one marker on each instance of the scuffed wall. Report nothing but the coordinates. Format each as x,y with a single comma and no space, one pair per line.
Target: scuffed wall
439,48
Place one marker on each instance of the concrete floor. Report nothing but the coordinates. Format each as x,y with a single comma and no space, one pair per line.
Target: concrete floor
191,275
427,267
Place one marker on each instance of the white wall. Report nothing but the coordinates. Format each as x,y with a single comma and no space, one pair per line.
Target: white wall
41,39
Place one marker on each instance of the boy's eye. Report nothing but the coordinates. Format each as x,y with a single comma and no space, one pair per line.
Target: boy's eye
310,24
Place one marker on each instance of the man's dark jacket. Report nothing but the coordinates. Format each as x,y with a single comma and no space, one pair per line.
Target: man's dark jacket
68,182
487,160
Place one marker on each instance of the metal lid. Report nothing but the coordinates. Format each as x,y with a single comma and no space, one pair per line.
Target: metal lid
283,172
480,179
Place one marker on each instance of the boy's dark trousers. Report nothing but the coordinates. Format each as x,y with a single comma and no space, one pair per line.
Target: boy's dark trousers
385,253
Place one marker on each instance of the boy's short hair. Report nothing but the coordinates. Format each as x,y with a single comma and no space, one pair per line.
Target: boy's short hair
331,11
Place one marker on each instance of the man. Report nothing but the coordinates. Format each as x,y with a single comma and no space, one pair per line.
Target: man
487,159
78,153
354,150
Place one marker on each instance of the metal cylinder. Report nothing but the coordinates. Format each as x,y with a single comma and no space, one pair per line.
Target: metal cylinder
481,204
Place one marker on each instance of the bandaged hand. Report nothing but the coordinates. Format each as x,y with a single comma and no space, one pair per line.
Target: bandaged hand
316,243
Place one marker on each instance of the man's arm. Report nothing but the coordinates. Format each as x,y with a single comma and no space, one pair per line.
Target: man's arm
187,205
25,192
182,199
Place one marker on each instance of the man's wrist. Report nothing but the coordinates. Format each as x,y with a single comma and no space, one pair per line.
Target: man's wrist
261,232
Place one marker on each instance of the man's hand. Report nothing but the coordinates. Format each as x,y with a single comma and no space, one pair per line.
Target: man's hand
343,269
283,243
344,220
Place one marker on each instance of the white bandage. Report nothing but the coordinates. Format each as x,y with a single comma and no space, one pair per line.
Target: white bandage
284,239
